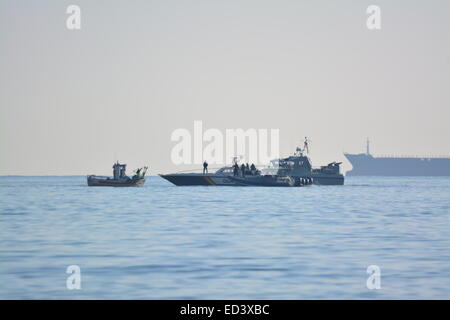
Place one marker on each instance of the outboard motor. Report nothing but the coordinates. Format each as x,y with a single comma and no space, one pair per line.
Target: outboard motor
291,181
303,181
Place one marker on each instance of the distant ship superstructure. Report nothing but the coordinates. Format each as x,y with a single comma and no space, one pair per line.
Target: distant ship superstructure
365,164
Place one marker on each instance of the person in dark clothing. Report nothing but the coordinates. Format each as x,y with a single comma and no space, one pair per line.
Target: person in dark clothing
138,172
243,170
235,169
205,167
253,169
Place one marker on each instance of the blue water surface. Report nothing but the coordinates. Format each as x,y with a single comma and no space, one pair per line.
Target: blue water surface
166,242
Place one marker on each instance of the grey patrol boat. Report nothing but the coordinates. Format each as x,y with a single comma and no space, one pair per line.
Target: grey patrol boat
295,170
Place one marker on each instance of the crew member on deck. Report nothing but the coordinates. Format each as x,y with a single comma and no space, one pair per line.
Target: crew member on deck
205,167
243,170
235,169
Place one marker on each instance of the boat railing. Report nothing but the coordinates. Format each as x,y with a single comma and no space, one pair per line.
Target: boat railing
199,170
214,169
411,156
440,156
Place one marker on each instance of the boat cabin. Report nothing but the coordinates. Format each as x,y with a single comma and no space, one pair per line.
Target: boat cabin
119,171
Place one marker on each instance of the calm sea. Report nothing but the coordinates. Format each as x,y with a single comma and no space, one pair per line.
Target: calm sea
166,242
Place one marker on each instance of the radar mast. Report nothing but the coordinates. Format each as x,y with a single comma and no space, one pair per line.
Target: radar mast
299,151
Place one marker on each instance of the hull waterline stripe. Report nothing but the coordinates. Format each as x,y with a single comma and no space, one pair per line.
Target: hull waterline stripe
209,181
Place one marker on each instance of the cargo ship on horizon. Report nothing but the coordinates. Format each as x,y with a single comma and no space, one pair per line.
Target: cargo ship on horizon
366,164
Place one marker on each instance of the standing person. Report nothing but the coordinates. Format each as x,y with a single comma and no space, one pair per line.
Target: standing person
243,170
138,172
235,169
205,167
253,169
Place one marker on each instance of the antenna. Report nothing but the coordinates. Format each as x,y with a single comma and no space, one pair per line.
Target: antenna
236,159
368,146
306,145
299,151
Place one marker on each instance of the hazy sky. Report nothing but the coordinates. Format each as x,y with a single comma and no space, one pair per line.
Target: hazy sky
72,102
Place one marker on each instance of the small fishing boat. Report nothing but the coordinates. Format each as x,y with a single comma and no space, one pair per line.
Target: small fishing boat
119,179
